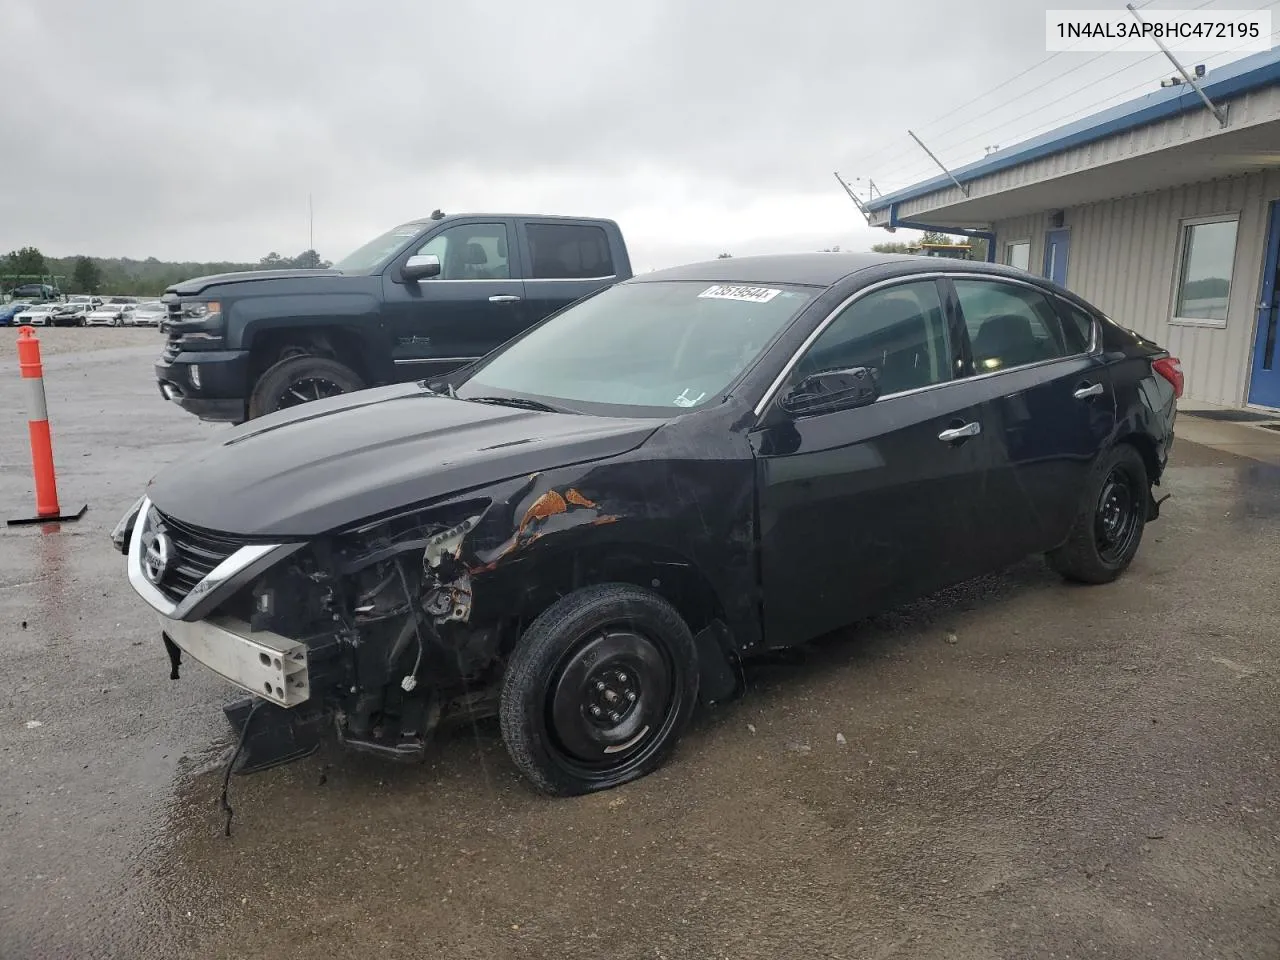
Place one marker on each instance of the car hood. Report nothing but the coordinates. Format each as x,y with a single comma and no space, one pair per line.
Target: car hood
196,285
330,463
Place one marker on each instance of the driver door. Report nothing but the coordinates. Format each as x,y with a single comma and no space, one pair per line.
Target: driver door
475,303
862,508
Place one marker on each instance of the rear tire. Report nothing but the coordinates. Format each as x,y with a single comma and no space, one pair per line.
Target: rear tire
598,690
1108,527
300,379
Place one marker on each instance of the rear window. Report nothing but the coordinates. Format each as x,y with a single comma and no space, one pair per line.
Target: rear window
568,251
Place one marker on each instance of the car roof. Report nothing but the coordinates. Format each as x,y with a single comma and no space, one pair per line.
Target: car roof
490,215
822,269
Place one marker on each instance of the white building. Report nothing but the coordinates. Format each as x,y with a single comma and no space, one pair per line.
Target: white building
1155,211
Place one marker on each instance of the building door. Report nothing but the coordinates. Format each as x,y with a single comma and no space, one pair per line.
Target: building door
1264,383
1056,245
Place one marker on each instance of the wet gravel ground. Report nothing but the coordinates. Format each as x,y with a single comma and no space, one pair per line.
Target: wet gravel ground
1016,768
59,340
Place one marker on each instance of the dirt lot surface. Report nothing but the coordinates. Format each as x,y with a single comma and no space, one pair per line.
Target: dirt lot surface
1015,769
59,340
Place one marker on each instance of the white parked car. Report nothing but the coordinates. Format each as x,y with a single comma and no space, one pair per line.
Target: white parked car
37,315
148,314
108,315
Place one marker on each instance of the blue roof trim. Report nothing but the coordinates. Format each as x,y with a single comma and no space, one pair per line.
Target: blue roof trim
1250,73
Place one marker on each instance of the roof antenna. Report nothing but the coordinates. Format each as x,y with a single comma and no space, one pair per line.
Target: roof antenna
1217,111
862,207
963,188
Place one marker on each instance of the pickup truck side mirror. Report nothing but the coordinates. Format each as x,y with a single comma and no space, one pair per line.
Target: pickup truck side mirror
830,390
422,266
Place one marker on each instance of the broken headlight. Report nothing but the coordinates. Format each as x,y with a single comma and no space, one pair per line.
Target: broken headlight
413,560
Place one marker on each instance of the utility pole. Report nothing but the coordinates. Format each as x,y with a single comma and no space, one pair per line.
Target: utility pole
311,220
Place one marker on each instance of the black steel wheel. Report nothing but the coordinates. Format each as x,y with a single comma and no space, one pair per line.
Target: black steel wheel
598,690
301,379
1113,513
1116,518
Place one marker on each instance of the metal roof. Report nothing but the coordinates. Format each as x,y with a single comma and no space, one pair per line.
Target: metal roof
1240,76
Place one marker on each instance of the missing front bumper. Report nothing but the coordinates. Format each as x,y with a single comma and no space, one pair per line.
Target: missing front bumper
260,662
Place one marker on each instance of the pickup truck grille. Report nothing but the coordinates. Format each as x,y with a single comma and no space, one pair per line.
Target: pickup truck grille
197,552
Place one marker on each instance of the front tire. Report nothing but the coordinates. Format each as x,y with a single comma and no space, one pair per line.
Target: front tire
598,690
300,379
1108,527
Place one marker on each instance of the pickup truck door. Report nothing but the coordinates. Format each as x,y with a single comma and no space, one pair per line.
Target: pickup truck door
564,261
475,304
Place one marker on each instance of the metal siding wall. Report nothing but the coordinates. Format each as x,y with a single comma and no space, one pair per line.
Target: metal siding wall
1123,258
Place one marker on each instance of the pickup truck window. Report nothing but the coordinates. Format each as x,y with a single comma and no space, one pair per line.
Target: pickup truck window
375,253
663,345
568,251
471,251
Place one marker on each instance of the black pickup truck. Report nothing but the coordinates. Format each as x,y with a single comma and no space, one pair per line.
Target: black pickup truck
423,299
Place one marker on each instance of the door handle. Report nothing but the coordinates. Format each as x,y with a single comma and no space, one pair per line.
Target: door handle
1084,393
504,298
959,433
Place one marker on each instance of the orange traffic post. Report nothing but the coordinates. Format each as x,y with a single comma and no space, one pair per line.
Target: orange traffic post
47,509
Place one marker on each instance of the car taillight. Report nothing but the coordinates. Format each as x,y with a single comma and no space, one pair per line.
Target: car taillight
1171,369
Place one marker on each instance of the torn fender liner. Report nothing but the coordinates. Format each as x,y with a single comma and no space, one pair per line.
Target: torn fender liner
279,735
722,677
175,656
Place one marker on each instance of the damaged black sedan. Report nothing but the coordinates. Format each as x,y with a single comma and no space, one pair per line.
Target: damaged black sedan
586,532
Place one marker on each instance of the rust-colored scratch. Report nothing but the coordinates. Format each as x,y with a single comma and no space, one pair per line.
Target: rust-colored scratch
547,505
577,499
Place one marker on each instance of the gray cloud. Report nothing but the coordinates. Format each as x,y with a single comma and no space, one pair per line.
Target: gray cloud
197,130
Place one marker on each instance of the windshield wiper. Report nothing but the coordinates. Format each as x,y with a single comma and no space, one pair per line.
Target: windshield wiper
519,402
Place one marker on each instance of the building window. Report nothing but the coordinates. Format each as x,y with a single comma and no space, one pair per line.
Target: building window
1018,254
1204,275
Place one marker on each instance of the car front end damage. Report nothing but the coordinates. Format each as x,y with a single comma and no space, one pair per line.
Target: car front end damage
373,632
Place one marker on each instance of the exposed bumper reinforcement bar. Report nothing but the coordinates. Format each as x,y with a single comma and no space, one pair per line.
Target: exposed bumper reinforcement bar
265,664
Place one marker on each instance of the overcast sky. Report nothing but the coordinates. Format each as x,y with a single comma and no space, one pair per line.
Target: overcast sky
195,130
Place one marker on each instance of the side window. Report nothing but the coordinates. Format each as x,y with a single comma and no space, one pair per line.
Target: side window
1009,325
1077,327
568,251
901,331
471,251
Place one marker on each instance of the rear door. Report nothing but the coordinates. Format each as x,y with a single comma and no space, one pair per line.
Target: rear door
861,508
472,306
565,260
1047,401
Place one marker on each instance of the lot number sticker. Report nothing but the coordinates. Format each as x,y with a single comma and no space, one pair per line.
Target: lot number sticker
722,291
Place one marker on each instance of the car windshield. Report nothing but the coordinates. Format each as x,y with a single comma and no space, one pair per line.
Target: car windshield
374,253
664,345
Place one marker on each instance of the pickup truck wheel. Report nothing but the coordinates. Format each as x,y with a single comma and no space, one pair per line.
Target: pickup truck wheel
598,690
301,379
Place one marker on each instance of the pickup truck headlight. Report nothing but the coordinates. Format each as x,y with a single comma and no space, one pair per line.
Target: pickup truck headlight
201,309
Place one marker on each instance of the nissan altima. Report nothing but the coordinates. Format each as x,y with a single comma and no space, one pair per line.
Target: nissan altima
588,531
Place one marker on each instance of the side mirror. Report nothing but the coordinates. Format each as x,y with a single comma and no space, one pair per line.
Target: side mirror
423,266
829,390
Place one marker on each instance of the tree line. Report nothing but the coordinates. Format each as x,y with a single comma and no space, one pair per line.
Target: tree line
115,276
